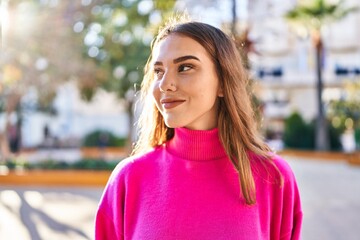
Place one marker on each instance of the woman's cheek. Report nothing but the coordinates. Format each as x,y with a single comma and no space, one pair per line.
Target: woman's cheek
156,93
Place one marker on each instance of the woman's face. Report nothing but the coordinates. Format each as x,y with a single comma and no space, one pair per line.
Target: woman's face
186,86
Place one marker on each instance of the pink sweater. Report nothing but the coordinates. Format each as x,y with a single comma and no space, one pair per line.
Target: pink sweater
188,189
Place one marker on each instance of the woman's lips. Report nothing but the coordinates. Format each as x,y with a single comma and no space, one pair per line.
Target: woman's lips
169,103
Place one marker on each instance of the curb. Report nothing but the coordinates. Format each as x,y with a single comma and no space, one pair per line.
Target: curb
351,158
56,178
100,178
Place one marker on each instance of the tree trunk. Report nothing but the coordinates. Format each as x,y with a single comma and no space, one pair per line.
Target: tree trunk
11,106
4,147
234,18
130,138
321,138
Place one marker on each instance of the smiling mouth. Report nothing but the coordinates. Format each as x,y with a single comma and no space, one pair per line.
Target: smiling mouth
168,104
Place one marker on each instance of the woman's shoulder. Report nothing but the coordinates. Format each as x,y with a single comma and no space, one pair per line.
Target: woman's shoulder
283,166
131,163
272,166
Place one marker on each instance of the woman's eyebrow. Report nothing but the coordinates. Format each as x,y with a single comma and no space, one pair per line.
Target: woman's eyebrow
184,58
158,63
179,59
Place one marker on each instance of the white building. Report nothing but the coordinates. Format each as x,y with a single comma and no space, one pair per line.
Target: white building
75,118
291,58
285,66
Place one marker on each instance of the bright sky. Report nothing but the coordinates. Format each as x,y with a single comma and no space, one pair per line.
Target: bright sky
214,12
4,20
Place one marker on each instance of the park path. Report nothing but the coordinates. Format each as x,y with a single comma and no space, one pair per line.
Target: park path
330,192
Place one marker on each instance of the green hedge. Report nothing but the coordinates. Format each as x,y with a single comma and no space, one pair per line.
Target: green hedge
357,137
103,138
299,134
84,164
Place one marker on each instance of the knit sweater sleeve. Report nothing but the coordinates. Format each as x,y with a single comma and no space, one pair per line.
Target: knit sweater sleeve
291,220
297,214
105,228
109,220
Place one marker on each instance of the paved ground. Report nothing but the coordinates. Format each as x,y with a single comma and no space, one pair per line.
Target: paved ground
47,213
330,195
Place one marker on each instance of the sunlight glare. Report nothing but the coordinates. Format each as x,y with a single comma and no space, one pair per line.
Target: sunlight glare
11,199
4,21
78,27
34,198
86,2
145,7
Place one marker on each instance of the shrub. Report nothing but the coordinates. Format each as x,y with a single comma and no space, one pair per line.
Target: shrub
301,135
84,164
103,138
94,164
49,164
297,133
333,134
357,137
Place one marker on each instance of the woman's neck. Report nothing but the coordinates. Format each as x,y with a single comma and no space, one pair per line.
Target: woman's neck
196,145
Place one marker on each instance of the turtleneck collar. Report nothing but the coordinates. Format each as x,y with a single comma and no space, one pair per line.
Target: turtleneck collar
196,145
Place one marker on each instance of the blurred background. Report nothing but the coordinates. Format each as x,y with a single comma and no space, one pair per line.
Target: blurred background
70,71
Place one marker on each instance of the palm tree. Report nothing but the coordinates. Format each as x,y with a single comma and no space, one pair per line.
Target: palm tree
314,17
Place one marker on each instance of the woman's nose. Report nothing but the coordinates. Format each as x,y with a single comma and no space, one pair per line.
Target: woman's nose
167,83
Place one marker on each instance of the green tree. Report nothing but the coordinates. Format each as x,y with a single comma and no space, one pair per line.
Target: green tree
117,37
246,46
345,112
298,133
38,54
314,15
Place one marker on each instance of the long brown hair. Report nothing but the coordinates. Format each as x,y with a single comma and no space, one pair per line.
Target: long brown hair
236,123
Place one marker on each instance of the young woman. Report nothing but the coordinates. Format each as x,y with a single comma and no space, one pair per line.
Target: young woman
200,170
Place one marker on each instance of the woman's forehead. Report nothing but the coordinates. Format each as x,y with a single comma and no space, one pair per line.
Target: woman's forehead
175,45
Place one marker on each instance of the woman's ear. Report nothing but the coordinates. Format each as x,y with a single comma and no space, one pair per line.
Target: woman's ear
220,92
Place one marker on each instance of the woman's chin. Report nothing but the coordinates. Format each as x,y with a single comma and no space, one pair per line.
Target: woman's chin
171,124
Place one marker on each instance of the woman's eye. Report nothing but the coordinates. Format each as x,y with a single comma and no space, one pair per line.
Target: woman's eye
185,67
158,72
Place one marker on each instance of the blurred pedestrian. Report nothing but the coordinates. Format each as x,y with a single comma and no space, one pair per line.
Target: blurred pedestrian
14,137
103,143
199,169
